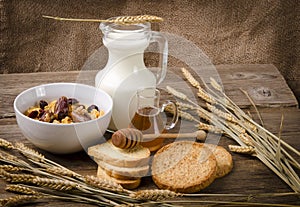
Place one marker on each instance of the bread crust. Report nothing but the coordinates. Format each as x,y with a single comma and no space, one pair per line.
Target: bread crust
107,152
128,184
124,172
184,167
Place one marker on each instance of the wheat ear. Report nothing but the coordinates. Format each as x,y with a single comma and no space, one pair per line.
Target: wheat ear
19,199
242,149
16,178
62,171
118,20
11,168
153,195
5,144
190,78
56,184
102,183
30,153
21,189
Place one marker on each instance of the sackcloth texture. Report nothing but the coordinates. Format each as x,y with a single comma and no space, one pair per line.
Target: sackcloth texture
228,31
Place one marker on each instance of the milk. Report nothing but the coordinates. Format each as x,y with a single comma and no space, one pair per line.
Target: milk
125,71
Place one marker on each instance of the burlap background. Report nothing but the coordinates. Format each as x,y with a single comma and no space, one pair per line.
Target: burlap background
228,31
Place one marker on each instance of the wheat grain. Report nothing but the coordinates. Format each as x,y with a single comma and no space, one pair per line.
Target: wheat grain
209,128
21,189
5,144
205,96
61,185
136,19
11,168
123,20
187,116
16,178
246,138
30,153
190,78
176,93
8,157
242,149
250,126
236,128
221,114
102,183
153,195
184,106
202,114
215,84
19,199
62,171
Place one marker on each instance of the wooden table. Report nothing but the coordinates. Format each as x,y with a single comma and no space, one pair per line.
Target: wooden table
263,83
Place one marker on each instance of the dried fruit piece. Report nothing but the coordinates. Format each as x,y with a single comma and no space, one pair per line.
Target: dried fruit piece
33,114
91,107
47,117
62,108
72,101
42,104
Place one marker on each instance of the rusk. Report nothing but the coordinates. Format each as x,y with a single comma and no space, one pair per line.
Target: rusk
184,166
128,184
107,152
123,172
223,158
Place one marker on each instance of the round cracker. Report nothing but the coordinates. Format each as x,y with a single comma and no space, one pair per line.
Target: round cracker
184,167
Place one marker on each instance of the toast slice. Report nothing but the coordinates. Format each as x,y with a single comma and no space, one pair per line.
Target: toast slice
123,173
128,184
184,166
108,153
223,158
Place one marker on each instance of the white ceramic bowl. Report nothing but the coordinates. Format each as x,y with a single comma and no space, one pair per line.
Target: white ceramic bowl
63,138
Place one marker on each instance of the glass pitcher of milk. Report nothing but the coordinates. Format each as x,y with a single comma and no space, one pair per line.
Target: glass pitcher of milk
125,71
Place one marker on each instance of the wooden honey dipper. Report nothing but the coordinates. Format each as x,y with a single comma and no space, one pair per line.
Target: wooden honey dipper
130,137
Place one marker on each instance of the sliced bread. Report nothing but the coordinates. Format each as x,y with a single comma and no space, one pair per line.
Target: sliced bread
107,152
223,158
123,172
128,184
184,166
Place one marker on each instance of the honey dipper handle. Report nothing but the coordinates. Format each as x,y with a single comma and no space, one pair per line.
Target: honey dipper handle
200,135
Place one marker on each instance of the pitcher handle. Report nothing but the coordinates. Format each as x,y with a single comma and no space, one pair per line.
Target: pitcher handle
163,57
171,124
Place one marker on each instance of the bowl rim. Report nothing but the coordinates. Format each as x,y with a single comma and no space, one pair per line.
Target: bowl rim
60,124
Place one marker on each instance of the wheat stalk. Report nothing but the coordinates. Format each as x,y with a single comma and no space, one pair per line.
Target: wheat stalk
257,141
123,20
